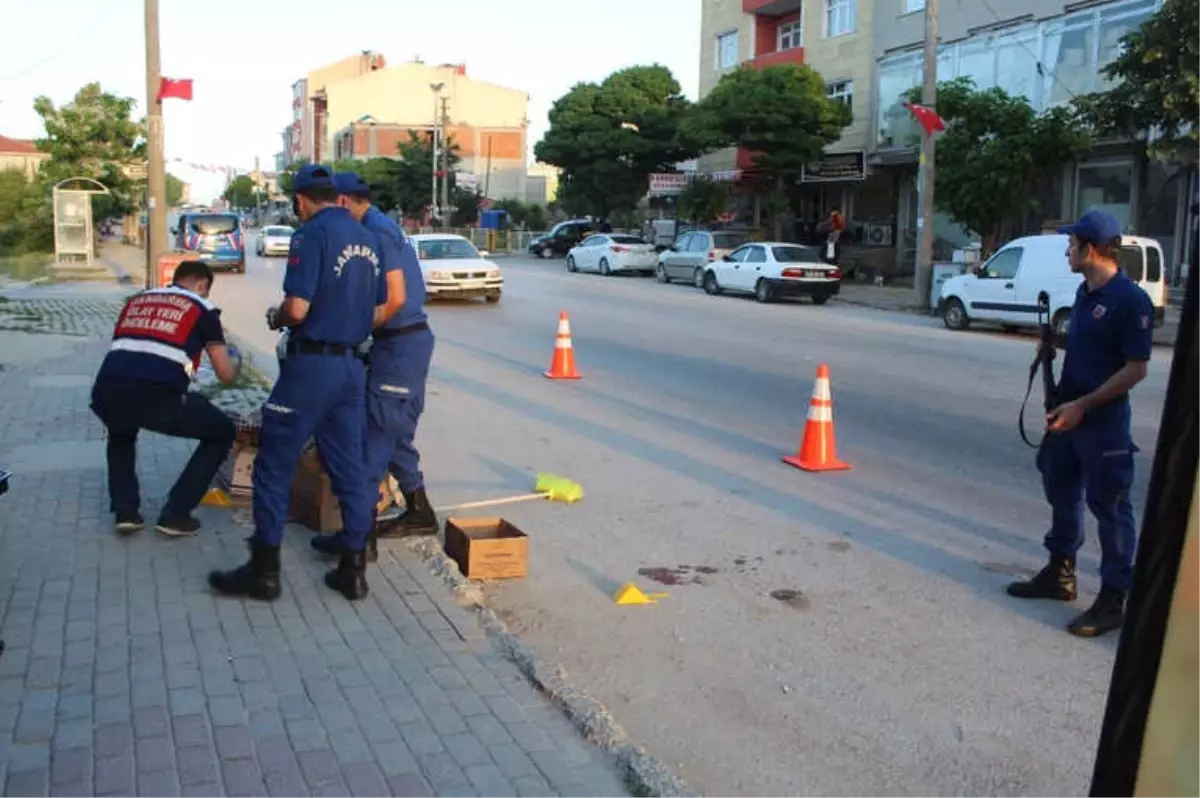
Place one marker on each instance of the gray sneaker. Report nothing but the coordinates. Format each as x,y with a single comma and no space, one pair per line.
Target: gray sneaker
184,527
129,523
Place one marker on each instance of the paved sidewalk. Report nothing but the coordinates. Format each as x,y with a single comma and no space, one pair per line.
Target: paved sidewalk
124,675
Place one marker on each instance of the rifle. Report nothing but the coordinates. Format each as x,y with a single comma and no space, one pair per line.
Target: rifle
1044,361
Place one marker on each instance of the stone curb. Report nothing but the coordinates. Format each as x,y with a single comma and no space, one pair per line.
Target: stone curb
644,774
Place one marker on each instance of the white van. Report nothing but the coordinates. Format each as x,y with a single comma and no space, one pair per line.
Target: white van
1004,290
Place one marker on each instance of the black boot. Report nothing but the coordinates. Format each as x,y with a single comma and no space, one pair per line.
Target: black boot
331,545
259,578
350,576
1055,581
1105,615
418,518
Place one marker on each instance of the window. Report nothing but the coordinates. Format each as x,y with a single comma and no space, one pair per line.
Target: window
1016,65
1068,60
895,124
1115,24
839,17
728,240
727,50
214,225
756,255
1105,187
699,243
1154,265
977,60
796,254
1003,265
684,242
789,36
842,91
913,5
739,255
1130,260
446,249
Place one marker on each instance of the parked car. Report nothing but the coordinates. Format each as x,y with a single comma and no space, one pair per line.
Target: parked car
690,255
217,238
274,240
1005,289
608,253
773,270
561,238
454,269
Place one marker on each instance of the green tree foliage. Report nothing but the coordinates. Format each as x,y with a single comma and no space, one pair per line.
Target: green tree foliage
608,138
174,190
26,224
528,215
704,200
289,173
995,155
241,192
780,114
1155,89
411,184
93,136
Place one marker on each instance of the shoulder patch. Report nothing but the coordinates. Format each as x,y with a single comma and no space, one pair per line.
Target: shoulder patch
1145,321
1098,312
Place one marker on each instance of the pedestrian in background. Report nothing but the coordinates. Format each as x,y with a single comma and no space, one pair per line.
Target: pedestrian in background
401,353
143,385
332,287
1088,447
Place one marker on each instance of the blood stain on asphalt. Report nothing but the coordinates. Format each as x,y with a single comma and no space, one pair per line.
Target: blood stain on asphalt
792,598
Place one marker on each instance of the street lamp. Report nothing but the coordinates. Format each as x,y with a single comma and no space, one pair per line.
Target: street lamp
436,88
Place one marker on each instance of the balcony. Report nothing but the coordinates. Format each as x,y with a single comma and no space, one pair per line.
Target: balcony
794,55
770,8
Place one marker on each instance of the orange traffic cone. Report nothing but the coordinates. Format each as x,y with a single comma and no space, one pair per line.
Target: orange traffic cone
817,451
562,367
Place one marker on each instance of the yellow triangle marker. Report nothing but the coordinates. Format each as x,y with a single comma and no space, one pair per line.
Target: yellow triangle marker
216,498
629,593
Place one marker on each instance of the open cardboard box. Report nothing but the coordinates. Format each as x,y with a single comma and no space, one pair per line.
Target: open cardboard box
487,548
313,503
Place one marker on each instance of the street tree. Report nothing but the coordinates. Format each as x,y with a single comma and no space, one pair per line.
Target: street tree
25,216
411,186
94,136
241,192
289,173
608,138
1155,89
703,200
780,114
174,190
997,155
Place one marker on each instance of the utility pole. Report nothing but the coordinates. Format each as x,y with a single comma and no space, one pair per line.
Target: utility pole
925,180
156,171
445,158
436,88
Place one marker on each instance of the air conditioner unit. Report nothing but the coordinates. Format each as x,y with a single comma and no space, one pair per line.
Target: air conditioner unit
877,235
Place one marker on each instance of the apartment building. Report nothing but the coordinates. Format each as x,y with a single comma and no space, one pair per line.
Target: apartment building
306,135
834,37
1050,53
368,116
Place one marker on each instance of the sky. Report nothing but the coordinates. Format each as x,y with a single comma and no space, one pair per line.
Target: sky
245,56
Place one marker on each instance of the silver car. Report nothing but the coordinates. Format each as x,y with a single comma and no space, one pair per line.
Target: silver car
274,240
692,253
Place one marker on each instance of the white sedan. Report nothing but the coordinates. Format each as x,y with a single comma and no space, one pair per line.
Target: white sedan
608,253
773,269
274,239
454,269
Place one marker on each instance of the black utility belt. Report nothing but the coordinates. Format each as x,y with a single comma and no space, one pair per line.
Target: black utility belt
308,347
385,333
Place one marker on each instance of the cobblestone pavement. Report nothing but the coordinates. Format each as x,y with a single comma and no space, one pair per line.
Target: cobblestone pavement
125,675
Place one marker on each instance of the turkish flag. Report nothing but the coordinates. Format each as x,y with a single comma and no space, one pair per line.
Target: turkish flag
179,89
927,118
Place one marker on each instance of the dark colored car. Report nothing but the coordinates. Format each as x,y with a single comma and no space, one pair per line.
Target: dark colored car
561,238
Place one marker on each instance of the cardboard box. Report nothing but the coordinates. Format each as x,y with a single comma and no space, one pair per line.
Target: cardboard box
237,470
313,503
487,548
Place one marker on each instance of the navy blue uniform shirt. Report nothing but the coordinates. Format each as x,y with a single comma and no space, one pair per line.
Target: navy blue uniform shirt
1109,327
160,336
334,265
398,253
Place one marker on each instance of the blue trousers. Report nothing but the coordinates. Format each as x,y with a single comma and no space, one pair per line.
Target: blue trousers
395,399
321,397
1096,463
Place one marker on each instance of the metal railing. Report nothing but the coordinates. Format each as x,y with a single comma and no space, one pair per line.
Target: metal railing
494,241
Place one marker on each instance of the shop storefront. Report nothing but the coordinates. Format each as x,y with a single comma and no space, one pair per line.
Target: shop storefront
1049,63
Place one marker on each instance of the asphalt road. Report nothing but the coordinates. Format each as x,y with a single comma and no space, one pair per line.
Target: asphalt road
896,664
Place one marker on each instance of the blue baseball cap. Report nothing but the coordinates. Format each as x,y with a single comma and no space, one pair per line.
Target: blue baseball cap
351,183
1094,227
311,176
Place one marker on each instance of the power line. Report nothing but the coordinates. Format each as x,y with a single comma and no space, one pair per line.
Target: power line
1037,57
66,45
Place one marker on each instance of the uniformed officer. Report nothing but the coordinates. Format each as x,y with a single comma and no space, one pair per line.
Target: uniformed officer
332,287
399,366
1088,447
143,384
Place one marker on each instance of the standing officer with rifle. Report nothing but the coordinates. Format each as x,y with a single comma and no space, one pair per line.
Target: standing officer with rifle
1088,446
